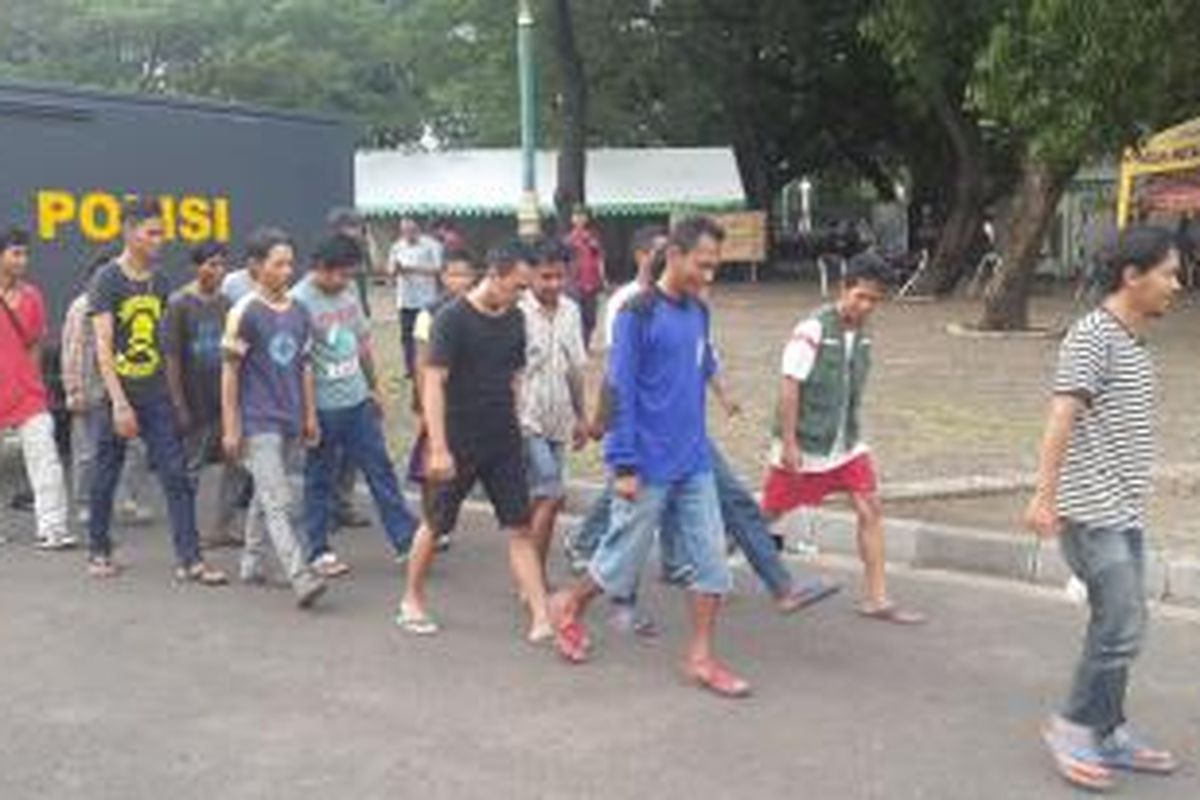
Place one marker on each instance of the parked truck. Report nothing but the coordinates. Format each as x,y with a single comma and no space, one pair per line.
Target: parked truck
69,158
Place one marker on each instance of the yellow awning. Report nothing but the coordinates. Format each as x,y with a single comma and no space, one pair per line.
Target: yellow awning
1177,149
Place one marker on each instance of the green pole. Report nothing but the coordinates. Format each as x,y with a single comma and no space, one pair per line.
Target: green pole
528,222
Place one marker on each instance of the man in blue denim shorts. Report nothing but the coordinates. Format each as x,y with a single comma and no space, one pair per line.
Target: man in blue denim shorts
657,449
552,406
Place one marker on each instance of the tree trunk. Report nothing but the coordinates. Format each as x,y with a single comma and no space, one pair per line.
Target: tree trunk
572,153
948,260
1006,301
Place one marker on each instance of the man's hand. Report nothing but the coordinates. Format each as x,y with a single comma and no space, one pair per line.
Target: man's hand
75,402
626,487
379,400
312,432
1041,516
231,446
441,465
789,457
183,417
580,435
125,421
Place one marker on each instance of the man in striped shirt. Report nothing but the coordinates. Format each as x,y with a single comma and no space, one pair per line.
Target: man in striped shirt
1093,484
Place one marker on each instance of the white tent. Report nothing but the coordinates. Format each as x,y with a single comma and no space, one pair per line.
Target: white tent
488,182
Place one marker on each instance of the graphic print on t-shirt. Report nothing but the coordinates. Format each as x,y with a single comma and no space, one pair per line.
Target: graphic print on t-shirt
283,348
140,315
206,341
343,353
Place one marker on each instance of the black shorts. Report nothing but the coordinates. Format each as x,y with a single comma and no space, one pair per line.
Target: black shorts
501,470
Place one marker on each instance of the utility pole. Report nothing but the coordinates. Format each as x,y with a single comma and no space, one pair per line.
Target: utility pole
528,214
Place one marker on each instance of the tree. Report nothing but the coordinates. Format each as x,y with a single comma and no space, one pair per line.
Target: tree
934,46
1077,79
573,109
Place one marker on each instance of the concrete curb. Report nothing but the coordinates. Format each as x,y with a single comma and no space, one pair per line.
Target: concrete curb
923,545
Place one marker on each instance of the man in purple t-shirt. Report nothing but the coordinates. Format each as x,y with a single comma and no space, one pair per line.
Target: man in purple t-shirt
268,408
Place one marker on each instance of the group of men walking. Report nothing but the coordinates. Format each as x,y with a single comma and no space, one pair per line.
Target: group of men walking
268,377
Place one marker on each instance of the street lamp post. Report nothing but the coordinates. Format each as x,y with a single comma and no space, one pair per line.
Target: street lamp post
528,217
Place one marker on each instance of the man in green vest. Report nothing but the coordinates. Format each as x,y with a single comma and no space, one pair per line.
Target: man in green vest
817,449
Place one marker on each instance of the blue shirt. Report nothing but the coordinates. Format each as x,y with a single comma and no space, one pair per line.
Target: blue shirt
273,343
659,367
340,333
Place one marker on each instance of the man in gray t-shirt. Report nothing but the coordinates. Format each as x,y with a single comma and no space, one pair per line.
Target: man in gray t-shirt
1093,482
349,406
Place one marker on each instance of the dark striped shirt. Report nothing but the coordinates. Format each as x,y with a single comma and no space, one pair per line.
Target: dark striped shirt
1106,476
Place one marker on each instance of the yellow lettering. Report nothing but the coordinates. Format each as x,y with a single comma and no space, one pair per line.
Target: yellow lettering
221,224
167,203
195,224
54,208
100,217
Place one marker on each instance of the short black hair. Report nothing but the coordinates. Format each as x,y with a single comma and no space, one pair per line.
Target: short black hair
1142,247
137,210
643,238
687,232
867,266
554,251
460,255
504,258
102,257
263,240
338,251
343,217
14,236
206,252
658,264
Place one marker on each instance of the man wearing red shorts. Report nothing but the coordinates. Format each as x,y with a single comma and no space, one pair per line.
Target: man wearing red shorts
817,450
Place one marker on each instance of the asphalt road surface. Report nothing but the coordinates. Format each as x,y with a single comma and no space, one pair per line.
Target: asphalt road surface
141,688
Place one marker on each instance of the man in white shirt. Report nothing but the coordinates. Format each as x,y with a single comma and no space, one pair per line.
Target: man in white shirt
647,242
414,262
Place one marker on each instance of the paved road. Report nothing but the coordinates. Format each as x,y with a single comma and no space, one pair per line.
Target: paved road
143,689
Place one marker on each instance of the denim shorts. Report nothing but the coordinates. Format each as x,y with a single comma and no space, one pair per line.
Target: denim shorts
694,507
545,466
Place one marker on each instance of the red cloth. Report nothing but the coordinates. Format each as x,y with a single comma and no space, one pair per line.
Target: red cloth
587,261
784,490
22,392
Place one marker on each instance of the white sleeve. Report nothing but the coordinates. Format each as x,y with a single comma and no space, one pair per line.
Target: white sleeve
800,354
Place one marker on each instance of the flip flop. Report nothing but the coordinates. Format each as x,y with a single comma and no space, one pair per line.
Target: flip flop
416,624
571,639
893,614
103,568
809,594
1079,766
1128,752
718,679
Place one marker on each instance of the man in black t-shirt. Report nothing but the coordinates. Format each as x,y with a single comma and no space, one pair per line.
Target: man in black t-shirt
469,387
128,300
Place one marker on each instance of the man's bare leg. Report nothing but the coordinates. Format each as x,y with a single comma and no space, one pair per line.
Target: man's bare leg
700,664
545,514
871,549
527,572
420,559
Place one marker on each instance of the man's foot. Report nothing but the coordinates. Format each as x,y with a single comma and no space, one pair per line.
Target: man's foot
715,677
328,565
1078,761
1123,749
412,619
807,594
891,613
131,512
570,636
540,632
201,573
308,591
351,518
103,567
630,620
22,501
67,541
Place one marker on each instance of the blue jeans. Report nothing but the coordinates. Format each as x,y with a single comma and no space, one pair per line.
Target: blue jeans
356,434
165,453
744,524
1111,563
617,563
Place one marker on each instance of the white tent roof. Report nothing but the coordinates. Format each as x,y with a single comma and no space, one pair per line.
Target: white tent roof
484,182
